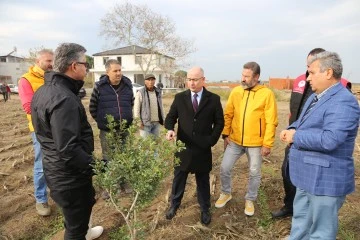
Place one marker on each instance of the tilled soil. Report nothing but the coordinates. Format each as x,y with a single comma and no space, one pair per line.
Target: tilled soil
18,218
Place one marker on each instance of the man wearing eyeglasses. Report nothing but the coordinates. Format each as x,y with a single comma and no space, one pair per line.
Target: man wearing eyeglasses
67,141
29,83
250,124
200,121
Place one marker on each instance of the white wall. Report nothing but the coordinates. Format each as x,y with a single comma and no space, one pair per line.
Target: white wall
14,69
127,63
130,75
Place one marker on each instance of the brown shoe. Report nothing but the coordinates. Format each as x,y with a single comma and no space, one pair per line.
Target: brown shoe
43,209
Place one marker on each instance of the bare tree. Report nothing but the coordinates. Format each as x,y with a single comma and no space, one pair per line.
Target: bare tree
180,78
31,57
132,25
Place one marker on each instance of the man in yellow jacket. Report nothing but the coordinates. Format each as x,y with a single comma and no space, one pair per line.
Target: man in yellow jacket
29,83
250,124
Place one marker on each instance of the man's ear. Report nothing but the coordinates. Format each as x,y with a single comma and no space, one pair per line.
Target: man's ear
72,67
329,73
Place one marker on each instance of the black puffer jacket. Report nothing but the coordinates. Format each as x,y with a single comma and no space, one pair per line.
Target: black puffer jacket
61,127
105,100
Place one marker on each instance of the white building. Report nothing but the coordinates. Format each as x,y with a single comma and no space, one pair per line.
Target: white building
12,68
132,58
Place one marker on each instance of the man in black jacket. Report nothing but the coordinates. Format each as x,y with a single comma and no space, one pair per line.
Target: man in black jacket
201,121
66,139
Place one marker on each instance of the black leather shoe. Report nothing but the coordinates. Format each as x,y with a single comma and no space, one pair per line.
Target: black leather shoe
205,217
171,212
282,213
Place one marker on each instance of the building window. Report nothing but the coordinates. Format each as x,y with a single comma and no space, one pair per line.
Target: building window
119,60
105,59
160,78
138,59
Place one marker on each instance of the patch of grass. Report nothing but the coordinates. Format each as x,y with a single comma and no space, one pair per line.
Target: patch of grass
270,170
55,226
345,234
281,95
265,220
223,93
46,230
122,233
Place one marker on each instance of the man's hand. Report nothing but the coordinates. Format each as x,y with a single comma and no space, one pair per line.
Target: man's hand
283,135
170,135
265,151
226,142
287,136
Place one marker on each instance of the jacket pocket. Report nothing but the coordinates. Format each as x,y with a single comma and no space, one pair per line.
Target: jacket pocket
317,161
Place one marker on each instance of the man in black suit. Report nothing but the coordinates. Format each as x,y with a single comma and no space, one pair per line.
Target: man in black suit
200,116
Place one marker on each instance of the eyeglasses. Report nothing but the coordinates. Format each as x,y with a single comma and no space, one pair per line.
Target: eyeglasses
194,79
87,65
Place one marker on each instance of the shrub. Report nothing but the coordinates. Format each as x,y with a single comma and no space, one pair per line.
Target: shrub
141,162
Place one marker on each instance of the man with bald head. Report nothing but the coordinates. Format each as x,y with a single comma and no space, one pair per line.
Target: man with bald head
200,117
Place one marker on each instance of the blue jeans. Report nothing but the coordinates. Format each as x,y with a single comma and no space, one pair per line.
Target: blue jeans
152,129
315,217
39,178
232,153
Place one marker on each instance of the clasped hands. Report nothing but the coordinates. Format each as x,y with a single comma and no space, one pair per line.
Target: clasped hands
287,136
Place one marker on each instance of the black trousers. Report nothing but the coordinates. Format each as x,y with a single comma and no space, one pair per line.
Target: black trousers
202,188
5,96
76,205
290,189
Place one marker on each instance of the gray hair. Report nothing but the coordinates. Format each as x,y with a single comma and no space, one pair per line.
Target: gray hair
328,60
111,62
66,54
253,66
44,51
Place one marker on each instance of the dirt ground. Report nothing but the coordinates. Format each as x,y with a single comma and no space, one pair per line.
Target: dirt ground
18,218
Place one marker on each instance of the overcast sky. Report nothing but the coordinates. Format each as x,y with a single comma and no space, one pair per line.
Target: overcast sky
278,34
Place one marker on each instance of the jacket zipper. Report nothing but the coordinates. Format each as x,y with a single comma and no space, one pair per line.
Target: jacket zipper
243,127
117,100
260,127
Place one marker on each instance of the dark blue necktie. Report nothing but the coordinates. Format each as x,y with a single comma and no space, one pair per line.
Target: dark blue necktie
312,104
195,103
